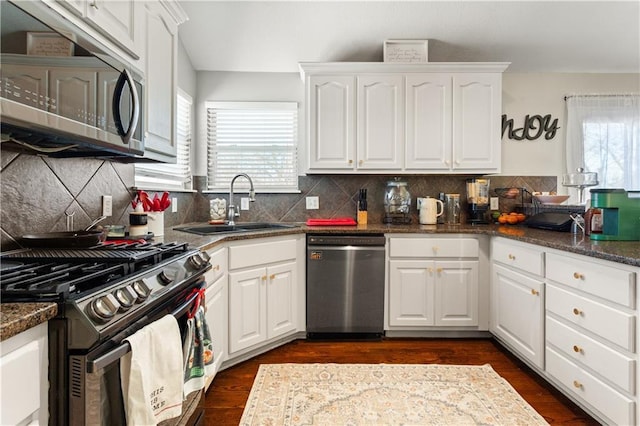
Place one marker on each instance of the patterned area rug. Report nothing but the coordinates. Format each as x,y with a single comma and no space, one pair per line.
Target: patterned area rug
384,394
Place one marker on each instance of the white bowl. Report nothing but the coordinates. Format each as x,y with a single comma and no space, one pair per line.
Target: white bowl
551,199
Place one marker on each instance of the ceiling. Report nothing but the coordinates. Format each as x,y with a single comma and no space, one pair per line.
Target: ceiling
535,36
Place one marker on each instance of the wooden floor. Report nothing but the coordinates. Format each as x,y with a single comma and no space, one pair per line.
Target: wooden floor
228,394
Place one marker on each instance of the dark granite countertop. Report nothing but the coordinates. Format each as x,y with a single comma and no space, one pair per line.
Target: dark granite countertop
626,252
18,317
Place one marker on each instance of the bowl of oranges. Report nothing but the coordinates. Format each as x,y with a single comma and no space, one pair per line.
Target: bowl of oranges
512,218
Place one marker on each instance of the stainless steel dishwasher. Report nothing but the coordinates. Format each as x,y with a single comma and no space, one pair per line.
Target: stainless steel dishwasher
345,286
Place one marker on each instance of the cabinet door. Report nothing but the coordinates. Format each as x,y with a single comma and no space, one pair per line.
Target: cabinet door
217,320
411,293
477,108
116,19
247,304
25,84
517,312
331,122
160,87
72,94
428,118
380,118
456,293
281,299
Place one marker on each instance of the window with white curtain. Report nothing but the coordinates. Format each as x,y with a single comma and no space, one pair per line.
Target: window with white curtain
256,138
172,176
603,136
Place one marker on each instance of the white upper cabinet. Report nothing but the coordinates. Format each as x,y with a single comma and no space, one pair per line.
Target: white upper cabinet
116,20
380,122
407,118
428,115
477,108
330,129
161,54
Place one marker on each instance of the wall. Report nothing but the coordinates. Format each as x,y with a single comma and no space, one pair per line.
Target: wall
529,94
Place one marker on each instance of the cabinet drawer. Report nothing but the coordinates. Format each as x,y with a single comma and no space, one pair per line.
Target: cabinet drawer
254,254
517,255
433,247
218,264
614,405
613,365
609,323
608,282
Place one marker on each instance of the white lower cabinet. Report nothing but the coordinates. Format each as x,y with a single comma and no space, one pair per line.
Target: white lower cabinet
433,282
24,383
591,322
216,313
263,291
517,298
426,293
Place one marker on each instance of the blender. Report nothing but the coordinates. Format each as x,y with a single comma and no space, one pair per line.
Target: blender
477,200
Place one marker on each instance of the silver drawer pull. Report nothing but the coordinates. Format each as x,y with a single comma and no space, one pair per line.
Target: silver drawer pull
577,311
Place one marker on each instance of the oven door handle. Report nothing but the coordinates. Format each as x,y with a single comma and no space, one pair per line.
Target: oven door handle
117,353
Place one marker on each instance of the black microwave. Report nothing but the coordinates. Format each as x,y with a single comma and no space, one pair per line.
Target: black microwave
61,94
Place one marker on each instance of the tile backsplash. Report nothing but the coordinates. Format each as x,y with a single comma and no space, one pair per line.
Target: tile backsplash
36,192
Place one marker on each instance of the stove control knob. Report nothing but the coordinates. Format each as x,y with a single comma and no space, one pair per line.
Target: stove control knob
164,278
196,261
125,297
103,308
205,256
141,290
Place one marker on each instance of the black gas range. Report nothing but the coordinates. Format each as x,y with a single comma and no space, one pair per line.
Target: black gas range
104,294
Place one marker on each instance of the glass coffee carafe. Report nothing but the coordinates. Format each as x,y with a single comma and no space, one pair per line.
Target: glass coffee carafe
397,202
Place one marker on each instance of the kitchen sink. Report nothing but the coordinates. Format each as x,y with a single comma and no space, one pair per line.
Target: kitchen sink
228,229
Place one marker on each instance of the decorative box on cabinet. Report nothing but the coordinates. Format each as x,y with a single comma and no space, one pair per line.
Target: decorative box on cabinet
406,118
591,316
517,298
433,283
263,291
216,313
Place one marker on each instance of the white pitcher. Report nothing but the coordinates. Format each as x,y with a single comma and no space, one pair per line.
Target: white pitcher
430,209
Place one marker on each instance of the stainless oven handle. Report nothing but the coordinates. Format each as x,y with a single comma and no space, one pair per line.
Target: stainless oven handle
117,353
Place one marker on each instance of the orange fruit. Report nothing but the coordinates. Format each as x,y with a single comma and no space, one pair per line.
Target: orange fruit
512,219
502,218
521,217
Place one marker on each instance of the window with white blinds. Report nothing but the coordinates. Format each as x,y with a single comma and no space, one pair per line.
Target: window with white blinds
256,138
172,176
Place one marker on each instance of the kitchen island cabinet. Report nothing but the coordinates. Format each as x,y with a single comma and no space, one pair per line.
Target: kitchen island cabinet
405,118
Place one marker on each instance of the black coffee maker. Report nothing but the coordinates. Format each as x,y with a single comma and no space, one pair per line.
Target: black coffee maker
477,200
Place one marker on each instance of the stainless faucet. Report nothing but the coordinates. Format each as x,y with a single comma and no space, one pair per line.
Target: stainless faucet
234,211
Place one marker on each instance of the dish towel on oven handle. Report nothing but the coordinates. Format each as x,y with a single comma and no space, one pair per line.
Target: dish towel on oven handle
197,352
151,374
